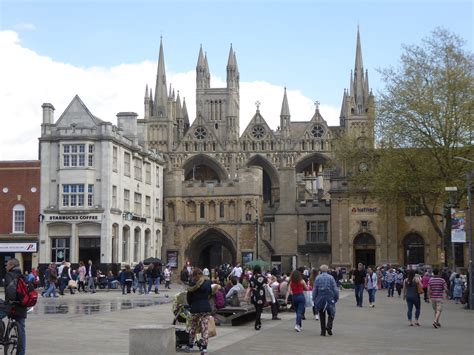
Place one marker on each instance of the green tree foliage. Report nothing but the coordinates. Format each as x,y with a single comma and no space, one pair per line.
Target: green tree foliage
424,119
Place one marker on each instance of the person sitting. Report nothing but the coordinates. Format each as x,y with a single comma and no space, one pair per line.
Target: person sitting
232,296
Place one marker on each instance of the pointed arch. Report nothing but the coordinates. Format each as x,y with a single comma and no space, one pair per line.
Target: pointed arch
271,180
310,161
211,168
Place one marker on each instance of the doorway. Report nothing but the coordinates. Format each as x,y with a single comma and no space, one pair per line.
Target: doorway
212,248
89,249
364,250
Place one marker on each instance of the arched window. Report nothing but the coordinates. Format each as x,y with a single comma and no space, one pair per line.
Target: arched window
19,219
414,247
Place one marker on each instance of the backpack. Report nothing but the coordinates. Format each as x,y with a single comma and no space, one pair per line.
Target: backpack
220,301
23,293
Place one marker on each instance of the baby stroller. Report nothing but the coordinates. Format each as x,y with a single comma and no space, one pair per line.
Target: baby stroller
182,318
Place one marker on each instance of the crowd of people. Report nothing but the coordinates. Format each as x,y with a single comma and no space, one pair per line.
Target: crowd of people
140,279
411,285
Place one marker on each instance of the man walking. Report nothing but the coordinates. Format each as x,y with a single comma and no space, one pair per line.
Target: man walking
91,273
390,279
437,288
325,296
358,277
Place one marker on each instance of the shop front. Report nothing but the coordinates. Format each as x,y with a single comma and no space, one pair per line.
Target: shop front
25,252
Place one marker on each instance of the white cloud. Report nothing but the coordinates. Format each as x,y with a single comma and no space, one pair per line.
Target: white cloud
24,26
29,80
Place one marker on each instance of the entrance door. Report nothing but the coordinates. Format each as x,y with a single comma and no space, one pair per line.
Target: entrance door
89,249
365,256
211,249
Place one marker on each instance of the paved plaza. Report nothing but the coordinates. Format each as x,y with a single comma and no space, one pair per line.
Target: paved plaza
99,323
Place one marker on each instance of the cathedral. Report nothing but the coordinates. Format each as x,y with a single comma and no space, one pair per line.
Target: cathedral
270,194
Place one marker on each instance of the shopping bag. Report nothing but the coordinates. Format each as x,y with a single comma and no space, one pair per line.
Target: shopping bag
211,327
72,284
308,298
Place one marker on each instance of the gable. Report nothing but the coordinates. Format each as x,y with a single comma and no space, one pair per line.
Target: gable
200,132
77,114
258,129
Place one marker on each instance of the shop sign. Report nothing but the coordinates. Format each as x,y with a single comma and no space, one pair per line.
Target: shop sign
93,217
364,210
31,247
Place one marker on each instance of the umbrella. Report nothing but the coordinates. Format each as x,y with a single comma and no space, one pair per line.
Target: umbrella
152,260
259,262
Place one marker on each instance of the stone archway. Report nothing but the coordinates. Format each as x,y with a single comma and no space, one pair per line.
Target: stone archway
211,248
271,181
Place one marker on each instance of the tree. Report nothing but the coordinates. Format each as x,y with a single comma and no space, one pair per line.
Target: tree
424,119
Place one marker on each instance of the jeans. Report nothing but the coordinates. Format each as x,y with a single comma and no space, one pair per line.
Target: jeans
258,314
359,293
21,332
51,289
274,308
62,284
298,305
141,287
371,293
91,284
322,321
425,293
390,286
413,302
154,281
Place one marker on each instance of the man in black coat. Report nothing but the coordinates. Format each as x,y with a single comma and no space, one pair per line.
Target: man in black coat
13,272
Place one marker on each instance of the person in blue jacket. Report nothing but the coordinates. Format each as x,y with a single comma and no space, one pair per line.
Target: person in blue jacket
325,296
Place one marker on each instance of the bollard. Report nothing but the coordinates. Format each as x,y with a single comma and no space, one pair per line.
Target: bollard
152,340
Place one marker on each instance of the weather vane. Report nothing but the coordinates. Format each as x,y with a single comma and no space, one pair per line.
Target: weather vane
258,103
316,105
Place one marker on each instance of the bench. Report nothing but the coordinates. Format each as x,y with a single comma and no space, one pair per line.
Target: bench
234,314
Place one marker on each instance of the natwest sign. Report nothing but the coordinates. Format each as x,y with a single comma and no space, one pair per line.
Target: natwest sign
29,247
94,217
364,210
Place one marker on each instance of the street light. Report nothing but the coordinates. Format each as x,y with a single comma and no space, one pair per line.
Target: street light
469,176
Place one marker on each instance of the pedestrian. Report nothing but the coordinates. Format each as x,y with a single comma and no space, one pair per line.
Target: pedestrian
82,277
371,281
274,285
198,295
358,277
184,275
437,287
399,282
237,272
312,278
91,273
411,293
390,280
128,278
167,275
457,288
325,295
142,281
257,290
52,279
424,282
296,289
13,272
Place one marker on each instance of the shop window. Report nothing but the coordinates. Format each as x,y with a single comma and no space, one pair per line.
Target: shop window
60,250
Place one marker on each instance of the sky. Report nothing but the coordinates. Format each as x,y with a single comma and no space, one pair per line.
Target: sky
106,52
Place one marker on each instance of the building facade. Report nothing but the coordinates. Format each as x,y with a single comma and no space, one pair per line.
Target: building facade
102,189
274,194
19,210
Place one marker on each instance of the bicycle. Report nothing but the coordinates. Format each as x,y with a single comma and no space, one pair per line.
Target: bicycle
10,336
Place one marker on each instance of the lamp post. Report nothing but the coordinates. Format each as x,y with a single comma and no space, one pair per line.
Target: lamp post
256,233
469,176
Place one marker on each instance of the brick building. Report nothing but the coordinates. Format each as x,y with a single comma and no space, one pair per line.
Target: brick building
19,211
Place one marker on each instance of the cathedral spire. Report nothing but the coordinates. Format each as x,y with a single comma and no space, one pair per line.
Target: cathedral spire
161,97
232,70
359,82
200,63
285,110
184,112
202,71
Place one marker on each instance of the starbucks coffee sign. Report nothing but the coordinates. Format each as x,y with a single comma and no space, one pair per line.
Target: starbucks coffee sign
92,217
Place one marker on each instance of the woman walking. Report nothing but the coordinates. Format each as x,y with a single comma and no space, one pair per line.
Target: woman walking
82,277
457,289
411,293
371,286
198,298
257,288
296,288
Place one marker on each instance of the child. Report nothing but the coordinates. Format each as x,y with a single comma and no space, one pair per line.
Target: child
142,281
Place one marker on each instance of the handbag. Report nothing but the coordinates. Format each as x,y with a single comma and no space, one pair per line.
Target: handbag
308,298
419,288
72,284
211,327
